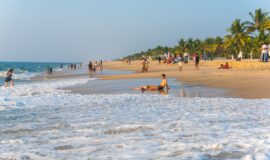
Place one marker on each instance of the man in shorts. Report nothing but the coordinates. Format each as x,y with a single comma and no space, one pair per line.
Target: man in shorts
9,78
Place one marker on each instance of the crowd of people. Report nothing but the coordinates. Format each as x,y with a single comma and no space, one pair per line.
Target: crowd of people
168,58
49,70
94,66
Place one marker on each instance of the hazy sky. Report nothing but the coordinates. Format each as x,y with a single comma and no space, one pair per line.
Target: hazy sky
79,30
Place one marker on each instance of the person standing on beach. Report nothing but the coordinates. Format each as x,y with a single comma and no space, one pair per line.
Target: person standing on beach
90,66
9,78
197,61
264,55
144,65
101,62
51,70
101,65
180,64
159,59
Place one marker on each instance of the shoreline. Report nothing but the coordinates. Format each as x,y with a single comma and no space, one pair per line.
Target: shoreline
239,82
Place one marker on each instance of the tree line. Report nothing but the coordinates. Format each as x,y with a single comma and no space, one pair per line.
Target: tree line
245,36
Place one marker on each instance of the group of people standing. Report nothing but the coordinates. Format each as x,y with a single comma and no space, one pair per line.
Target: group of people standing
174,58
93,66
74,66
127,61
49,70
169,58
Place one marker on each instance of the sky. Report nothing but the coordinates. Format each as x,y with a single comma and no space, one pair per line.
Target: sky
82,30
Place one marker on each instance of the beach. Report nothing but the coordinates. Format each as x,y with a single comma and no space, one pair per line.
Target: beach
134,80
246,79
76,115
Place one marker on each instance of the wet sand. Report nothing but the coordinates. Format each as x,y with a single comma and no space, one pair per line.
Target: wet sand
125,86
244,80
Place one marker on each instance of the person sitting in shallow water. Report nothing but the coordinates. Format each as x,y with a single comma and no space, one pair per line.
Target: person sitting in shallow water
160,87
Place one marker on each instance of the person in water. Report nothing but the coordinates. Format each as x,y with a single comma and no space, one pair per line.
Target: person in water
163,84
9,78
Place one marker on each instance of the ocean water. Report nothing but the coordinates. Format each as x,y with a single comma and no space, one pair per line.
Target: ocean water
38,120
24,71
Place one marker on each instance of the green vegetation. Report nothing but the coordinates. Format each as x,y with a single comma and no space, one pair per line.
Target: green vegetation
246,36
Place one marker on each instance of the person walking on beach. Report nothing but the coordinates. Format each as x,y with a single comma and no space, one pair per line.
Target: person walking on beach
9,78
197,61
160,87
51,70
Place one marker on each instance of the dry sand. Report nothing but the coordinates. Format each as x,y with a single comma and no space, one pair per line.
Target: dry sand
246,79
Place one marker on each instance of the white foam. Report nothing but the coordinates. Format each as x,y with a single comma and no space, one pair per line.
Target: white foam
22,94
41,121
24,75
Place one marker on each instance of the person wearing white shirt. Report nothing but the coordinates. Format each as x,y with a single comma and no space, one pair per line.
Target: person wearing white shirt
240,56
265,52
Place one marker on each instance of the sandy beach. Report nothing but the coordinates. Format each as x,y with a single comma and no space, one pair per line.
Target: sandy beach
246,79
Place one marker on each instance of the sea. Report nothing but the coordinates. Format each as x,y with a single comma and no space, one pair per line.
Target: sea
39,120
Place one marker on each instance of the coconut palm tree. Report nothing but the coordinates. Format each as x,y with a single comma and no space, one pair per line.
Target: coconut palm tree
182,44
209,45
259,24
238,38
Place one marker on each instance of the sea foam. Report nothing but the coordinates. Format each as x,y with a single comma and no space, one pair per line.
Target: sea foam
41,121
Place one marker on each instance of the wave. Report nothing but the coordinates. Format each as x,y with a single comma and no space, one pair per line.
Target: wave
21,94
127,129
25,71
39,119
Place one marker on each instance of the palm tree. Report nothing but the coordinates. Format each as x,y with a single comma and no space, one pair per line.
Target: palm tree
209,45
198,46
182,44
218,45
190,45
259,24
238,38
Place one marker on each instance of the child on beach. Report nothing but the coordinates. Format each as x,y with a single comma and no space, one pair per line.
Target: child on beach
9,78
160,87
